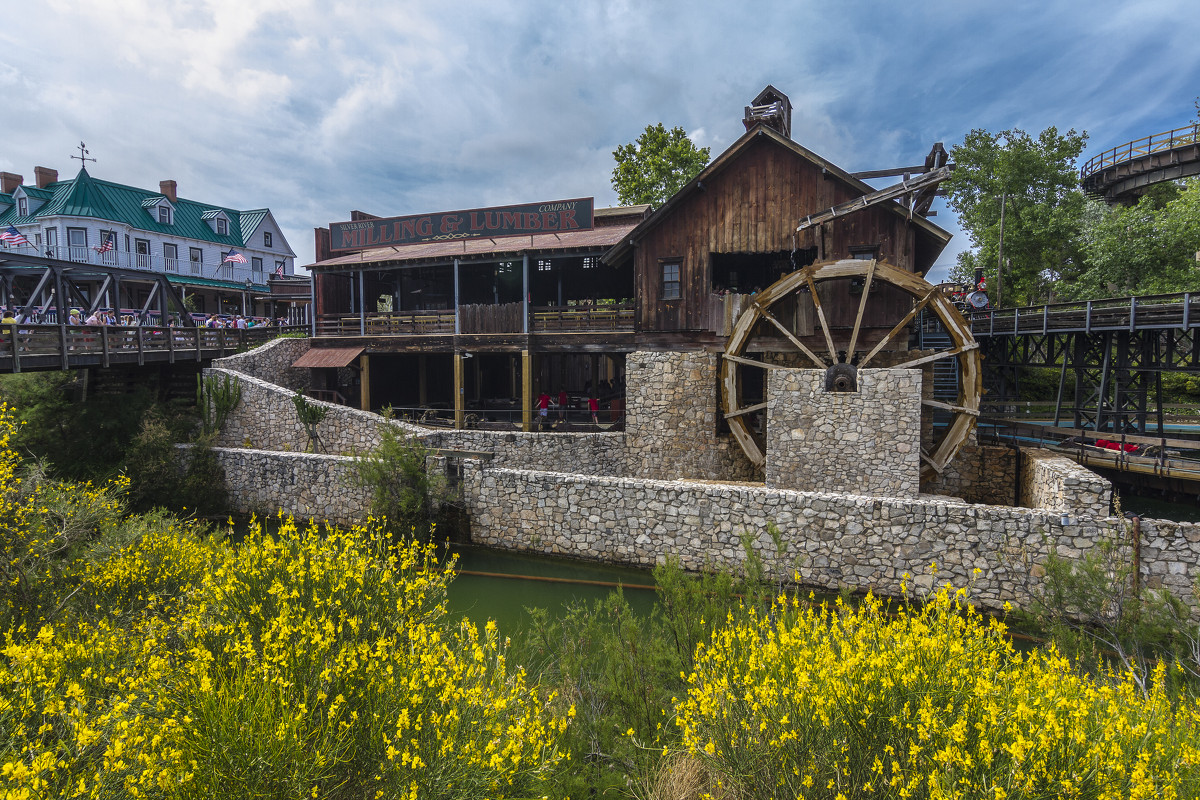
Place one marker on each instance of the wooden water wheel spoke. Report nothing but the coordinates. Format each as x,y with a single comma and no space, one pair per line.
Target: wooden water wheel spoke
938,356
974,412
901,325
808,278
746,410
744,391
862,307
791,337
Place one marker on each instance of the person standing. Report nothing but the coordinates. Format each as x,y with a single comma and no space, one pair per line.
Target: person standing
543,406
563,401
594,407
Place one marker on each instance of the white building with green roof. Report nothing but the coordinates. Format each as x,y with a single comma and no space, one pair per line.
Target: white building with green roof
155,231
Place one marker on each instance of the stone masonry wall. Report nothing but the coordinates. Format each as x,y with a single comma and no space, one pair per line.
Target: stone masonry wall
978,474
1052,481
834,541
306,486
272,362
864,442
671,420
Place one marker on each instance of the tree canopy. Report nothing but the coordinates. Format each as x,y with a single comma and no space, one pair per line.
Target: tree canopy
1035,180
656,166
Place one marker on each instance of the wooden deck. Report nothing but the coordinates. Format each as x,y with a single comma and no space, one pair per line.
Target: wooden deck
27,348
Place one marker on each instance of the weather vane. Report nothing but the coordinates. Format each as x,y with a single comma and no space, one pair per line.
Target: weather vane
83,153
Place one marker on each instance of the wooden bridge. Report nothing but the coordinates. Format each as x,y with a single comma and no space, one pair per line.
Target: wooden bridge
26,347
1110,356
1121,173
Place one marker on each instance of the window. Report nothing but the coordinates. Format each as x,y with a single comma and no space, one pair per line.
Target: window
256,265
77,244
543,265
170,257
107,249
670,284
222,227
22,206
590,262
52,242
864,252
266,238
196,257
141,253
164,214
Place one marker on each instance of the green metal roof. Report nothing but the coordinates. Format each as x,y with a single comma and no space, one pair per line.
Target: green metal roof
255,287
85,196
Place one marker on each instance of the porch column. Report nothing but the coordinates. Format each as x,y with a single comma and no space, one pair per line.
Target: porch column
459,390
457,327
362,306
364,390
525,294
526,390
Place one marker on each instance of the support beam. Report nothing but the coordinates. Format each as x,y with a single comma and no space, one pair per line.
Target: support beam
526,390
364,391
459,391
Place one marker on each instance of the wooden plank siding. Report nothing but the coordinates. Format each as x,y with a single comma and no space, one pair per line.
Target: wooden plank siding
752,206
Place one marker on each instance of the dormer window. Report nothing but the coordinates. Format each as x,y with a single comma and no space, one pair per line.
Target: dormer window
22,206
266,238
217,220
164,214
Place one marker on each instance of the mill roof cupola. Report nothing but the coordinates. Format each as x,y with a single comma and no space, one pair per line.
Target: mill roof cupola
772,108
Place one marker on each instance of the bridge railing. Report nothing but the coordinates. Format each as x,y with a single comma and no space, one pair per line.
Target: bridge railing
1157,311
1155,143
67,344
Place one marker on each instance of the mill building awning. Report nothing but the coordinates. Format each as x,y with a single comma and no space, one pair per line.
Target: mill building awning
318,357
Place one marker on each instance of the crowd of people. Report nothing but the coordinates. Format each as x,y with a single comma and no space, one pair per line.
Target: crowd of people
606,391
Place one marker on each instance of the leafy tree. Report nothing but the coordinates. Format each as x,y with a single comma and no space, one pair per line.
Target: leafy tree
1145,248
1037,183
403,492
656,166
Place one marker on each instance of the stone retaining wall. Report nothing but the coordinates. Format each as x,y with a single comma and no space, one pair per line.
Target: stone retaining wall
1049,480
979,474
272,362
834,541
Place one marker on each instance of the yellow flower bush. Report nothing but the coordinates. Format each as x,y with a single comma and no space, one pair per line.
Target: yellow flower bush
931,703
311,663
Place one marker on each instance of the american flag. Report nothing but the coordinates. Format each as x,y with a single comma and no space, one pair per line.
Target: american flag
235,257
106,245
13,236
278,269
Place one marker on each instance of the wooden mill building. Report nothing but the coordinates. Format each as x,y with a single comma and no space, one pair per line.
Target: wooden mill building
483,325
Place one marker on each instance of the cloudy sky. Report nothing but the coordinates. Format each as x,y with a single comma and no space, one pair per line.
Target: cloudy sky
315,108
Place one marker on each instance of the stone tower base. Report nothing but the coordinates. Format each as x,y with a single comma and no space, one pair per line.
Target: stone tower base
866,442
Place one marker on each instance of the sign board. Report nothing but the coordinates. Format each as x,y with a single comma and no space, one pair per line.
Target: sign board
477,223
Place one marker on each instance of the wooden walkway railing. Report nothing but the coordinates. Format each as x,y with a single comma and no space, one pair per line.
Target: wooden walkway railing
1147,145
505,318
25,346
1160,311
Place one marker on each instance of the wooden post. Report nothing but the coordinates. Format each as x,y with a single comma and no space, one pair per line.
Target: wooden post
459,390
526,391
364,389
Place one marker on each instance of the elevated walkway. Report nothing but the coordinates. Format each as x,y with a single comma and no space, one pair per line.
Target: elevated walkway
1124,172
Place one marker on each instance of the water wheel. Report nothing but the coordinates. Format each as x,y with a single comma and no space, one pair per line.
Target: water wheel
760,326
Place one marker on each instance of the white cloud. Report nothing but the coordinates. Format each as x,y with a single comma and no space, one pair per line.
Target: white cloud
314,109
